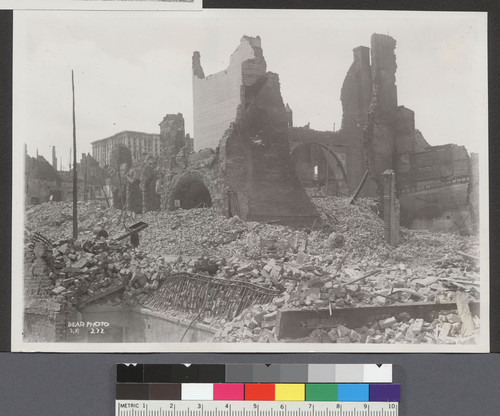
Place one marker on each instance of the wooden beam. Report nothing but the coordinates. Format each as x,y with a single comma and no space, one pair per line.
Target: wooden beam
294,324
360,187
101,295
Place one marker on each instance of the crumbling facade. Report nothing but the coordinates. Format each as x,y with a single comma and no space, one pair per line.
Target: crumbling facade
41,179
254,173
44,183
173,138
218,97
252,162
437,186
439,190
137,163
243,164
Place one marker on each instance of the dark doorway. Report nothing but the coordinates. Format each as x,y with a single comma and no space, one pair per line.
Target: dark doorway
192,194
316,167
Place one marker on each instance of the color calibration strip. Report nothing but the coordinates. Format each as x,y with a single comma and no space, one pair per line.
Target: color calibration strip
254,373
259,392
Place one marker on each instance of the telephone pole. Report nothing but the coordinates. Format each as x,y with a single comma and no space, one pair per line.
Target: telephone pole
75,183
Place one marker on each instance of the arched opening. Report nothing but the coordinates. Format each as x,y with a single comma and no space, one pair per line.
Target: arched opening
318,167
191,193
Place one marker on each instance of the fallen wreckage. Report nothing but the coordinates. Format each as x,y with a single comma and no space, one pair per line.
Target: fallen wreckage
266,283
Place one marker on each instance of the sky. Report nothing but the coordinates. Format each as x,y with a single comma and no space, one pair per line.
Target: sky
132,68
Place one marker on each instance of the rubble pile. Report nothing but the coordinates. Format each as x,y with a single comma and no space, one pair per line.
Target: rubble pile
54,220
398,330
425,267
258,324
78,275
343,261
189,232
362,229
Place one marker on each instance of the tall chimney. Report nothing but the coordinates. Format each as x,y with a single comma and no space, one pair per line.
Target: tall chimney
54,158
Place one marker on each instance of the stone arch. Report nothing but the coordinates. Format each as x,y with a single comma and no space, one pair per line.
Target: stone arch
329,166
192,189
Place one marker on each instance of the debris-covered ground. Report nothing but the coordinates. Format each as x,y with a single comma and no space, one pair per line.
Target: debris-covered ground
342,262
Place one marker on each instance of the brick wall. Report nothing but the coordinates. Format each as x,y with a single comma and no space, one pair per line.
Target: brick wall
218,96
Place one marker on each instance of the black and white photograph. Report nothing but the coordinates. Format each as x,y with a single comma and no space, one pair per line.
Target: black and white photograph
250,181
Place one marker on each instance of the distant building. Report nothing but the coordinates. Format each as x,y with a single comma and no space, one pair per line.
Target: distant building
41,180
43,183
166,144
91,181
138,143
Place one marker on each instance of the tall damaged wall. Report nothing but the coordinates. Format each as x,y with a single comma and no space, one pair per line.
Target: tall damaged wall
172,135
438,193
240,114
380,140
217,97
384,69
356,93
256,165
436,185
408,141
369,103
372,118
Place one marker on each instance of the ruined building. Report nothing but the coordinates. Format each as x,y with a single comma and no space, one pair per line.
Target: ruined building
436,185
41,179
173,138
138,164
249,160
43,182
240,113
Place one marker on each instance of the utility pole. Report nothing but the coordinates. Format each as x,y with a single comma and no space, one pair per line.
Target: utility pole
326,175
75,183
85,180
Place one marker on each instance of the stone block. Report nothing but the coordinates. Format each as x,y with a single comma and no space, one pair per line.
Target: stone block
387,323
58,290
452,318
333,334
355,337
270,316
268,324
417,326
343,331
445,331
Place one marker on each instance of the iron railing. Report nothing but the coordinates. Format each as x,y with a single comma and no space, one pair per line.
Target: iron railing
211,297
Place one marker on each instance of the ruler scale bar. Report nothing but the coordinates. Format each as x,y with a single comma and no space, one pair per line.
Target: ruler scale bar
253,408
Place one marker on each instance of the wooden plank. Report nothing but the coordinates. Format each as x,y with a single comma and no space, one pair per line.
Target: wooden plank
468,256
294,324
360,187
101,295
